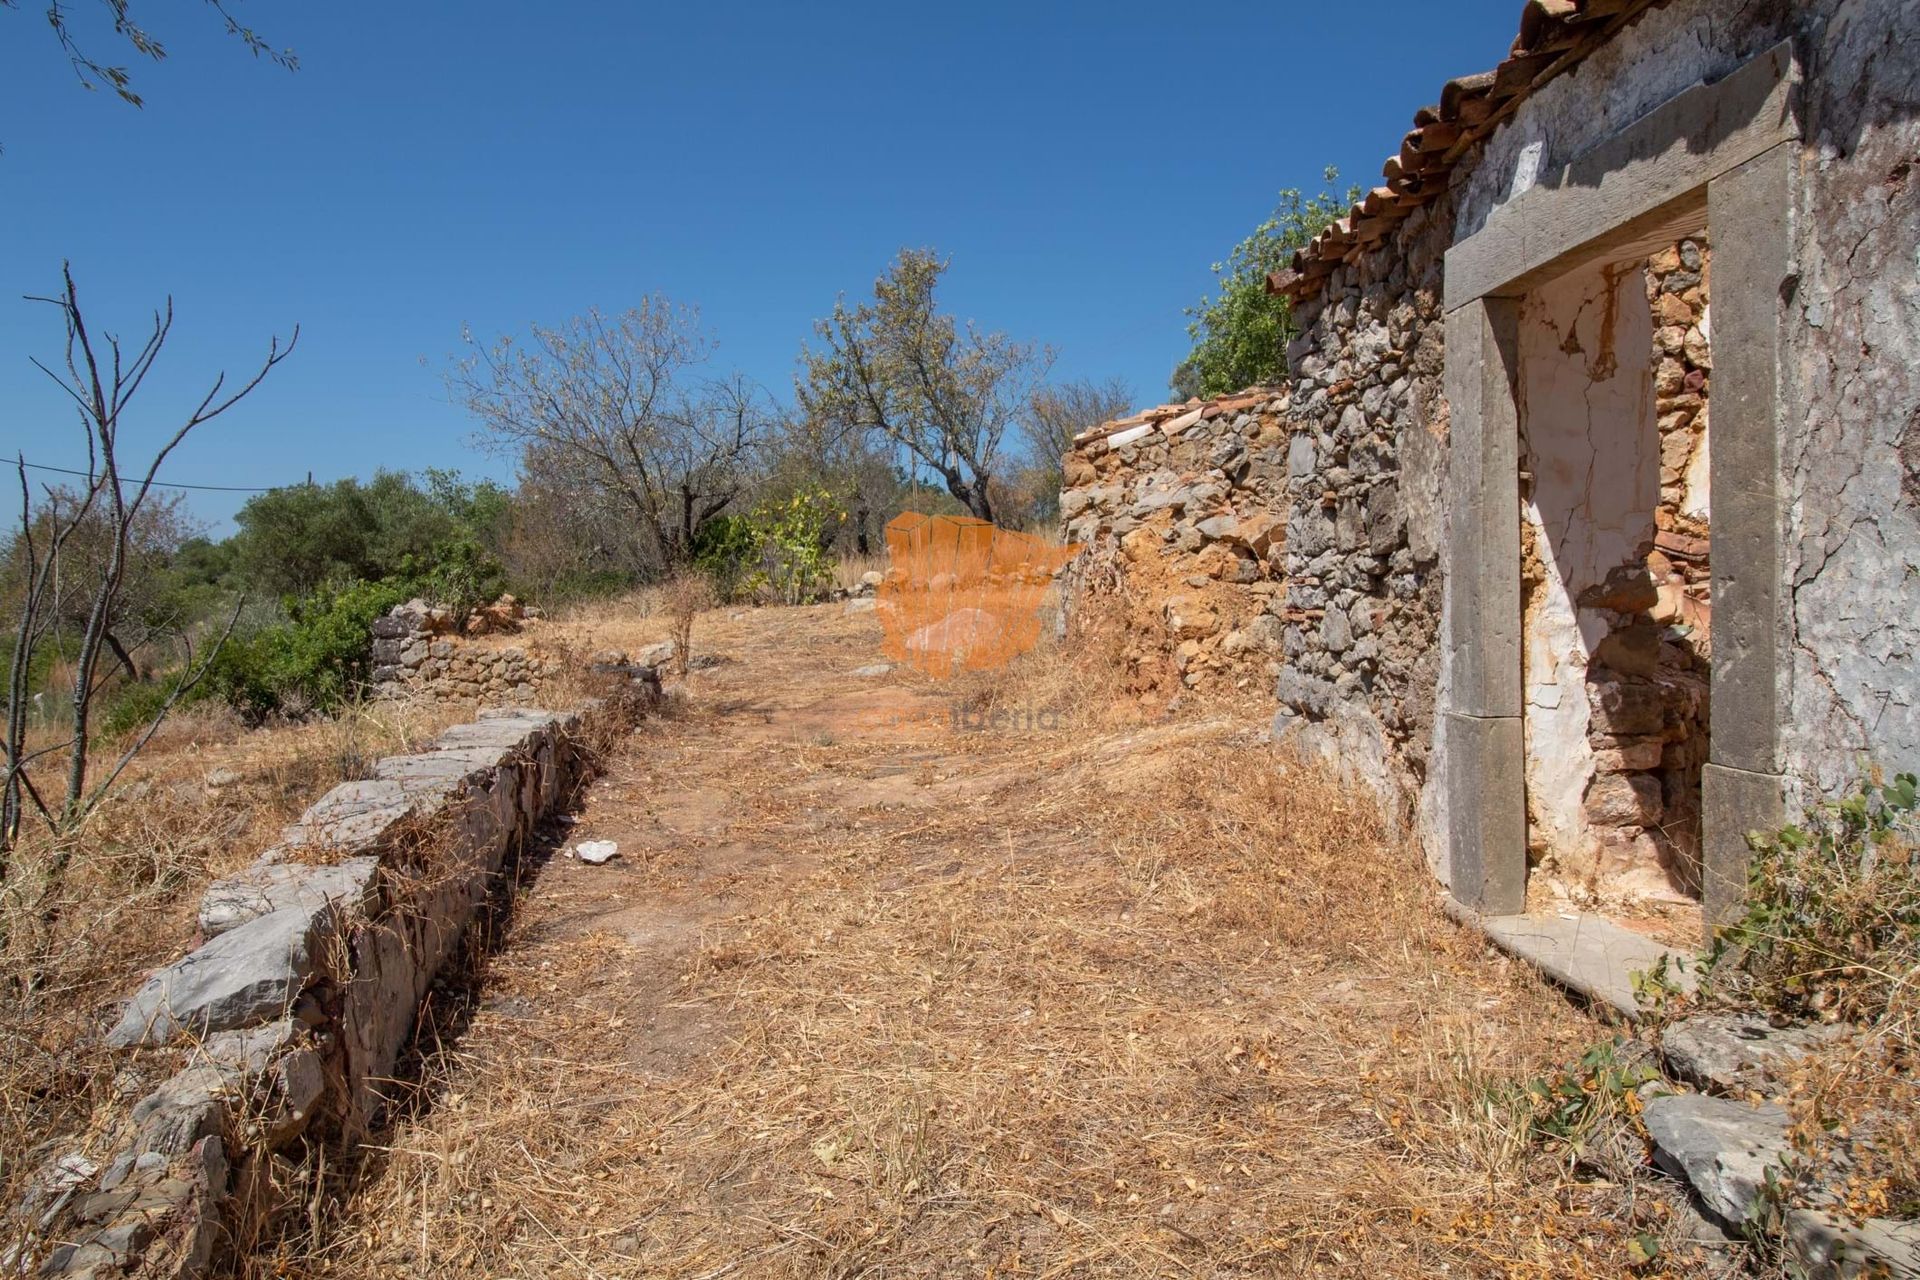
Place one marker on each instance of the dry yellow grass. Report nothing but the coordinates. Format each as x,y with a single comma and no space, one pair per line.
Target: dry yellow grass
75,945
865,996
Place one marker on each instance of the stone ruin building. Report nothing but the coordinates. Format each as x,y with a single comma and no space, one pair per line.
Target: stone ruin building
1585,528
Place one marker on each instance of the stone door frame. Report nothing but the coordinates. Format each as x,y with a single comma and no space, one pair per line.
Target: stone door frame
1725,155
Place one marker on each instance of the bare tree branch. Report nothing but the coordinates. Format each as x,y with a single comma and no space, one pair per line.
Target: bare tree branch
102,382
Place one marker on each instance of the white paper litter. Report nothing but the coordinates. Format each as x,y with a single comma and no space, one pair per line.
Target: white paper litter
595,851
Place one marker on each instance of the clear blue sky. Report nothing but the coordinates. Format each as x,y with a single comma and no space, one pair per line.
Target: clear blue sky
434,164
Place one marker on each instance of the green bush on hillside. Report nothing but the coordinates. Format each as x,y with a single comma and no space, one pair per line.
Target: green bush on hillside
314,661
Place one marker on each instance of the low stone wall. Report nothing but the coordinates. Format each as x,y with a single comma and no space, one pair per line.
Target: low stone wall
280,1030
1176,509
418,652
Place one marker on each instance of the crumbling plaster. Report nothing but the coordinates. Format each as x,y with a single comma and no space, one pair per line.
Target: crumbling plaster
1851,456
1850,470
1591,448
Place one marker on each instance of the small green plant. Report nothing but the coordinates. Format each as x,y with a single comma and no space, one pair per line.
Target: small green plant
1659,990
1832,923
1586,1108
781,550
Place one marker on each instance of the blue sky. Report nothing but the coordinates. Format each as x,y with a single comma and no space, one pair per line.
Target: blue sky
433,165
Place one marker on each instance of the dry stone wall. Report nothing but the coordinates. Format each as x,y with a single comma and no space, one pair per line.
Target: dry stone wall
418,652
1176,508
278,1032
1289,538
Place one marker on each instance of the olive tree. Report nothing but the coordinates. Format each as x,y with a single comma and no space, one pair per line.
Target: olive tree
944,393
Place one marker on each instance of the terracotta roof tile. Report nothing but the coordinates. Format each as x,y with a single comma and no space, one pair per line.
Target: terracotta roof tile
1555,35
1195,410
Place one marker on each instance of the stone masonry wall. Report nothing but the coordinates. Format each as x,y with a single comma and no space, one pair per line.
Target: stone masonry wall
1650,710
417,652
1366,463
279,1031
1177,509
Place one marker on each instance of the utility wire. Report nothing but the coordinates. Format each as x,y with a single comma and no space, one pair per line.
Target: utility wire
160,484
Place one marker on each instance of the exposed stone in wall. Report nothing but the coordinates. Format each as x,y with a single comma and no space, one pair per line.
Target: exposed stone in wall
1614,534
1679,566
279,1032
1365,525
1177,509
418,652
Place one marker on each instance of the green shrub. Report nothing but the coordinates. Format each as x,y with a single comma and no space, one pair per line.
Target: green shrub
727,549
1240,335
458,574
1832,923
794,539
314,661
781,551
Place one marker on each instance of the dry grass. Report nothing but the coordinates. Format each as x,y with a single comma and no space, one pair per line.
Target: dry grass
1114,1001
849,568
75,944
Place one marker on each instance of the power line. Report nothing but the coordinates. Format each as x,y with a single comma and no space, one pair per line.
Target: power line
159,484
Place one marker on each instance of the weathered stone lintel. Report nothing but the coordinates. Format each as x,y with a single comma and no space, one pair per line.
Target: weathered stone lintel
1635,189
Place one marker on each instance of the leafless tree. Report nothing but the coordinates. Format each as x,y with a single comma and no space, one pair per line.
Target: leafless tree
102,380
619,404
943,392
1059,413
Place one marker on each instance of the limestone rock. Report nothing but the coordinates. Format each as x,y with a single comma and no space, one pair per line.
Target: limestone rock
655,655
1738,1051
1828,1248
245,975
1624,800
185,1108
1721,1147
264,888
1626,708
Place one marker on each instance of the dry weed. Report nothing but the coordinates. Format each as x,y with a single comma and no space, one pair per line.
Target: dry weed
683,598
84,918
1121,1001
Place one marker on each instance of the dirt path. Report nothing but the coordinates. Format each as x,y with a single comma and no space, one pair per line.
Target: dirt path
865,994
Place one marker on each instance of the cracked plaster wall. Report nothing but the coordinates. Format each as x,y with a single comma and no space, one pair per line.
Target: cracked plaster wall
1850,453
1590,444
